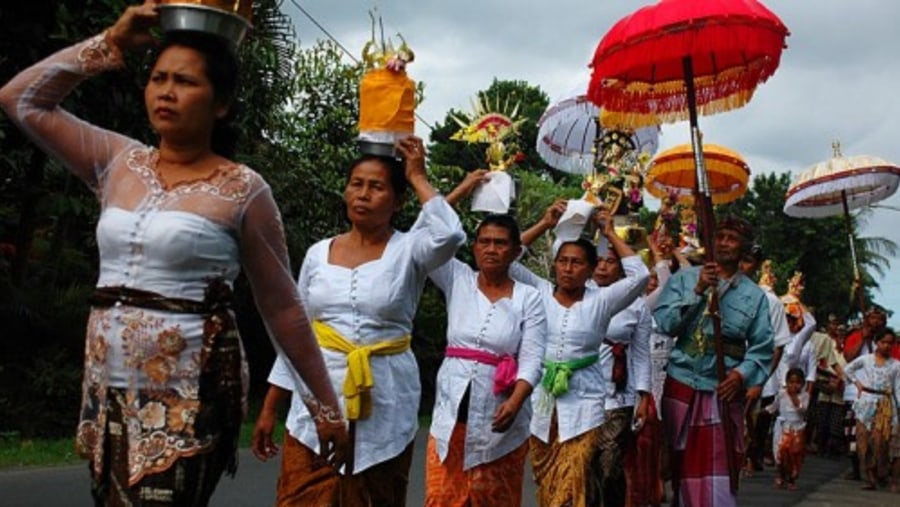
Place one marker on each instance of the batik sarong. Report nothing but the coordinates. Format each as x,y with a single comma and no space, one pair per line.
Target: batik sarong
615,439
307,480
494,484
643,463
565,472
155,445
873,444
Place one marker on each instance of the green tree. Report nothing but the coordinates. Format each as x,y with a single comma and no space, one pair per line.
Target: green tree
318,129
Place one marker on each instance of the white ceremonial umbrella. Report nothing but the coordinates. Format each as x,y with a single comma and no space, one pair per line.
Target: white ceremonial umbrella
838,185
567,134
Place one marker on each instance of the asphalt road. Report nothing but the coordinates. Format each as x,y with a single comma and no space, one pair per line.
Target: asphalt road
819,485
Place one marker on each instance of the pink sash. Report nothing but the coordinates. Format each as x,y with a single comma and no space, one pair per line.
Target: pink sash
507,368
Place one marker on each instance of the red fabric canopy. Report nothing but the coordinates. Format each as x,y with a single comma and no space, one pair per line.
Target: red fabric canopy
638,65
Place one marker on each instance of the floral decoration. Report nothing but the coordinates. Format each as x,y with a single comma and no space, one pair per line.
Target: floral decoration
381,54
494,124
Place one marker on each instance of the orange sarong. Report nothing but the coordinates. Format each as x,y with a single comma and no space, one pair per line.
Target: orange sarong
307,480
495,484
791,451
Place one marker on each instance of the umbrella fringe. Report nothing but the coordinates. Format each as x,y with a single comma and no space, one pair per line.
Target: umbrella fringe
567,132
638,101
821,197
643,104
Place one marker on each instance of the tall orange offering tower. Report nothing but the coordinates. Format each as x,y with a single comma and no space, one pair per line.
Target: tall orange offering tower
387,96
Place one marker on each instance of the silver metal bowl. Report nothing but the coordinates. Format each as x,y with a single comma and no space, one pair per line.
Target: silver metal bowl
200,18
375,148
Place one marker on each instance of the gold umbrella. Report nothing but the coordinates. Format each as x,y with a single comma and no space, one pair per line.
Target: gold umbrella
673,172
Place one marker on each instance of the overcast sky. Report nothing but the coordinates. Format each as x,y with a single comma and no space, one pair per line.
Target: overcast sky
838,77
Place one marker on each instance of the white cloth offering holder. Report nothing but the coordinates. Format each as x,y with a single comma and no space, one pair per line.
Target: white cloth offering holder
573,220
494,195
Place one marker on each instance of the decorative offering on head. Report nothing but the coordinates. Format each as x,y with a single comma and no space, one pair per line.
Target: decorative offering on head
387,96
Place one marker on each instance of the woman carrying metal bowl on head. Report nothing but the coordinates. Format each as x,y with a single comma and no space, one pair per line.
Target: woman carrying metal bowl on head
165,379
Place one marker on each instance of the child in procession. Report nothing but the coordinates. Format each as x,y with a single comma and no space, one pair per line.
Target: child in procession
788,443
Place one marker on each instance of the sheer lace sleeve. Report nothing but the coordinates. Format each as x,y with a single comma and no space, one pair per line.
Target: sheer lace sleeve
265,261
32,98
850,371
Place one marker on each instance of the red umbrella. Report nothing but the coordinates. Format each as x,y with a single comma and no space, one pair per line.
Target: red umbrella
663,61
639,66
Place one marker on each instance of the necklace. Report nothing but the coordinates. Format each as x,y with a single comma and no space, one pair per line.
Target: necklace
210,175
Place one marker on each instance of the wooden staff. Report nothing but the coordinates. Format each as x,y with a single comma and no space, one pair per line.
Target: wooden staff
706,219
848,222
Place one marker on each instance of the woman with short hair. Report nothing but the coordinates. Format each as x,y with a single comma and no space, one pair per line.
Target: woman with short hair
496,328
569,404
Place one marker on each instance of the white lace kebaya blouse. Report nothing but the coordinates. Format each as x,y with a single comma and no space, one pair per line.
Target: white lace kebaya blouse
884,378
171,240
575,333
514,326
371,303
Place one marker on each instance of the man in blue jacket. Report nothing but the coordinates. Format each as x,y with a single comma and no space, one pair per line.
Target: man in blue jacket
692,395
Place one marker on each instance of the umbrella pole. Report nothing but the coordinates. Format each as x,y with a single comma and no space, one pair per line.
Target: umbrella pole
703,202
848,221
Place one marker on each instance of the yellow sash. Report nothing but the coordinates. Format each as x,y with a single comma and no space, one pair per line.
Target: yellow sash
359,371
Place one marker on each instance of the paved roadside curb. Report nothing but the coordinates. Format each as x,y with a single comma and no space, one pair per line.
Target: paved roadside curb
839,492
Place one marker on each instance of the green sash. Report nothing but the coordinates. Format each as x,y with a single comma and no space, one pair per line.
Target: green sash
557,373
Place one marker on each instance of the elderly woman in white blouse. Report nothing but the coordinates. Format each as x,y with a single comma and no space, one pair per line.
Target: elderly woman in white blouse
495,342
570,402
362,288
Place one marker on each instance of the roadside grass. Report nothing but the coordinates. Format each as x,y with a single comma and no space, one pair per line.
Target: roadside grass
16,452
